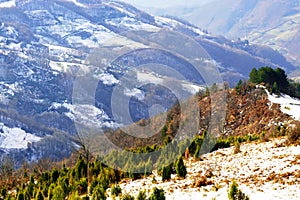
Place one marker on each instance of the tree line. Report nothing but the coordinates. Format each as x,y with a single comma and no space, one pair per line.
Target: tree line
275,80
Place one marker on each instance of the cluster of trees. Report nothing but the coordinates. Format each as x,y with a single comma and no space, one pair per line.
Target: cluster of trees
275,80
82,181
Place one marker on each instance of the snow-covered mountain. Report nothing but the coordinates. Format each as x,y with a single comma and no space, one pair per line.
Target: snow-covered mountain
44,44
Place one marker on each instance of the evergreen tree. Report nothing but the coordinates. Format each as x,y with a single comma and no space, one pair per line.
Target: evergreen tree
180,168
236,194
30,190
21,196
239,86
166,173
99,193
116,190
58,193
50,191
94,184
81,168
157,194
54,175
3,192
281,80
253,77
141,195
275,88
127,197
39,196
74,196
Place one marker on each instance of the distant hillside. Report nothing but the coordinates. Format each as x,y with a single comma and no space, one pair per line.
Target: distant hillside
270,22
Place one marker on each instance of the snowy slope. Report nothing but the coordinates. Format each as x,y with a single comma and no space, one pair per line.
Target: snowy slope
288,105
262,171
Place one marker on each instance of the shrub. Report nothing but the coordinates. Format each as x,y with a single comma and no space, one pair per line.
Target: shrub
93,185
54,175
58,193
39,196
21,196
294,135
86,197
141,195
221,144
116,190
127,197
82,186
157,194
3,192
237,147
74,196
235,193
50,191
99,193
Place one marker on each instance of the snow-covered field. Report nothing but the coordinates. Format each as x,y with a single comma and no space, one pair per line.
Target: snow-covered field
262,171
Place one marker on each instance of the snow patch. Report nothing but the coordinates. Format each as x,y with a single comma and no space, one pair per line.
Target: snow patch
135,92
107,79
193,89
288,105
87,115
77,3
8,4
15,138
132,24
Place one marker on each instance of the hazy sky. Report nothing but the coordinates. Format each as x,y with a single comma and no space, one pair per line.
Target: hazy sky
166,3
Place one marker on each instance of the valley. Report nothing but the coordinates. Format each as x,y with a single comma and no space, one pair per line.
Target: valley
101,100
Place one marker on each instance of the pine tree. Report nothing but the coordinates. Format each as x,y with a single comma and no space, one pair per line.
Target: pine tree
275,88
141,195
157,194
21,196
58,193
99,193
81,168
236,194
127,196
116,190
166,173
54,175
253,77
3,192
39,196
180,168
